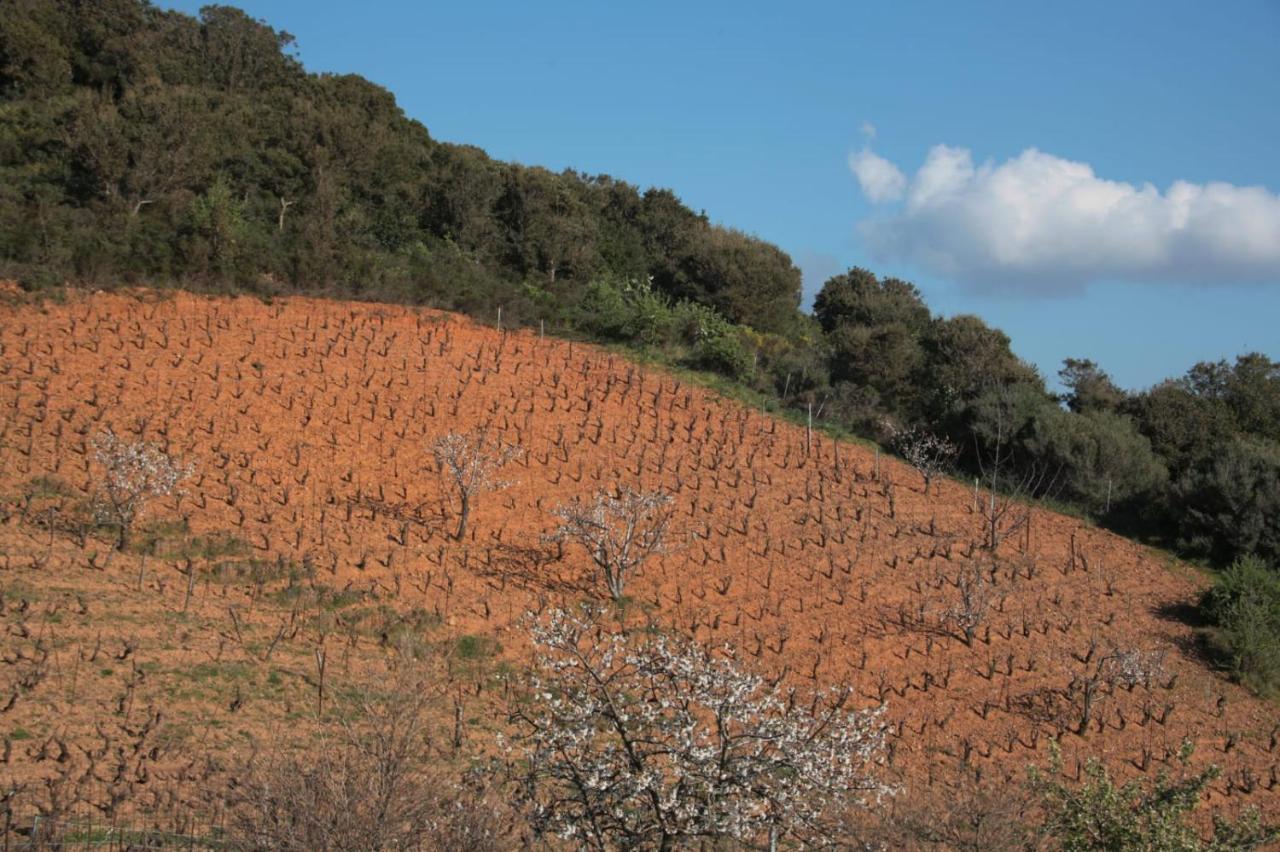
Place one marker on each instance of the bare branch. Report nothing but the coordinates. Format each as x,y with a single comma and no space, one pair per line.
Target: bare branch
649,741
467,463
620,531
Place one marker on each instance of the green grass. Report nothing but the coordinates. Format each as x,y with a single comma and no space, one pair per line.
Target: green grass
16,590
471,647
323,597
260,572
173,540
203,672
45,487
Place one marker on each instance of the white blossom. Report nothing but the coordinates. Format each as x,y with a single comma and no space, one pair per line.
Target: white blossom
929,454
620,531
468,462
135,472
644,739
1130,667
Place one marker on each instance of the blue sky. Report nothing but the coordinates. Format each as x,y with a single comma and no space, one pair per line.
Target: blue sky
752,111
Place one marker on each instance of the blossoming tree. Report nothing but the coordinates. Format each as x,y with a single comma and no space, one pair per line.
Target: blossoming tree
619,531
645,740
467,462
135,473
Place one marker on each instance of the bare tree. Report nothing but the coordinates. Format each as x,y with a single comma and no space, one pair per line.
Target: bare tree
371,784
620,531
974,599
975,814
135,473
467,462
643,740
928,453
285,204
1127,667
1011,482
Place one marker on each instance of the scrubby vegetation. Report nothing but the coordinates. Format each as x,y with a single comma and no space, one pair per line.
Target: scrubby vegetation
1244,608
1099,813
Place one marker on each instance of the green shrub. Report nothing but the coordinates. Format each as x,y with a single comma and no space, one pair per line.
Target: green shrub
651,320
1230,503
1099,814
717,344
470,647
603,310
626,310
1244,606
1104,459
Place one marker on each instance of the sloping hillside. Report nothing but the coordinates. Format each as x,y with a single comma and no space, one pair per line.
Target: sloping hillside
315,521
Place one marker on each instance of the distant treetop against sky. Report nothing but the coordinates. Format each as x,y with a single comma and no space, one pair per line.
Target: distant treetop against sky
1098,179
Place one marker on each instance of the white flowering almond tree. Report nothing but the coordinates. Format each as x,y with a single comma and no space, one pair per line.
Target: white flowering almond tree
135,473
467,462
642,740
928,453
619,531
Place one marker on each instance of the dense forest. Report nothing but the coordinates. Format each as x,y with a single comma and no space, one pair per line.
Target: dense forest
141,146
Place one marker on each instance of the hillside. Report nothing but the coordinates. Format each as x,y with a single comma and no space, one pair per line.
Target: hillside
315,521
145,146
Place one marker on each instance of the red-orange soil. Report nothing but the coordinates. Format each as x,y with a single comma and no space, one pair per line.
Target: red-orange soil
309,424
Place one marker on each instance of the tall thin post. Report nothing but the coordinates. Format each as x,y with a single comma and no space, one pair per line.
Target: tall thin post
808,431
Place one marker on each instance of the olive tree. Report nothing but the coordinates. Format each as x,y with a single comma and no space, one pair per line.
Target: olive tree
642,739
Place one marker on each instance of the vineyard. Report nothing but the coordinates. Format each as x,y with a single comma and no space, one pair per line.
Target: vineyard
315,526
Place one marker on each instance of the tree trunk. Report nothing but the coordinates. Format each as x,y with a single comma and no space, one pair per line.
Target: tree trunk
284,206
463,513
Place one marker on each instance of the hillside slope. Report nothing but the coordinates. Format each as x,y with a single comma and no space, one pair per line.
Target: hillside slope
315,520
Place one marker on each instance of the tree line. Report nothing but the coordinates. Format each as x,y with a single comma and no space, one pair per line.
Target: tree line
139,145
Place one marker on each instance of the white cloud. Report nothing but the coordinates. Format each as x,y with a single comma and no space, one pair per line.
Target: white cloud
880,179
1041,222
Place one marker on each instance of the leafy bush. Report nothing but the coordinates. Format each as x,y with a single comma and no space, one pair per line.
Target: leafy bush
627,310
651,320
633,311
1105,460
1230,503
718,345
1245,607
603,310
1099,814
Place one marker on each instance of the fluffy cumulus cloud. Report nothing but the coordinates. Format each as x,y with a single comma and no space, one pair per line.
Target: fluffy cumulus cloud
880,179
1042,222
